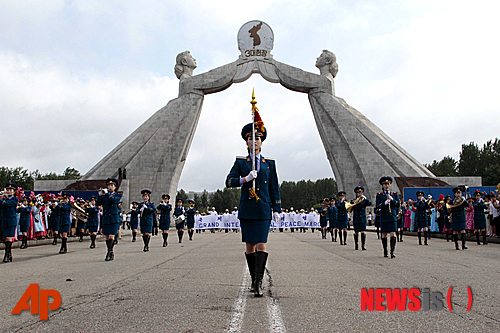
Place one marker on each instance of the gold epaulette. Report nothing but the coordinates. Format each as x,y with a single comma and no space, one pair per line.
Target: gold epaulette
241,157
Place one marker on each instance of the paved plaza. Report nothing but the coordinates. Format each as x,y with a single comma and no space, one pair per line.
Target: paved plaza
312,285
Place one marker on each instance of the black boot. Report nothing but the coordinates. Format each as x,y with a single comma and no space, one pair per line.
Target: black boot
447,236
477,238
393,246
54,242
180,233
134,235
335,238
165,236
455,239
378,233
331,233
190,232
251,268
345,237
355,241
384,245
462,236
484,238
24,243
260,268
8,252
363,241
145,239
426,234
115,241
401,235
92,241
397,235
110,255
419,237
340,237
81,236
63,245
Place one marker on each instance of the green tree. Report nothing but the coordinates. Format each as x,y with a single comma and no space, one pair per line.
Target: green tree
468,164
447,167
181,194
18,175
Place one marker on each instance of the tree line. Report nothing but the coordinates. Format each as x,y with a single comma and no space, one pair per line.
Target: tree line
26,179
302,194
473,161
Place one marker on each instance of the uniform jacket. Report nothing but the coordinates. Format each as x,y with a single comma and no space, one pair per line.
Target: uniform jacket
341,211
332,215
266,188
421,213
93,216
178,211
323,214
110,211
147,213
359,212
388,213
24,218
458,213
190,214
9,212
479,208
65,213
164,212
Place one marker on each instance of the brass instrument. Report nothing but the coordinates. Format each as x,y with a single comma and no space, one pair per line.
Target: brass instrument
78,212
349,206
456,202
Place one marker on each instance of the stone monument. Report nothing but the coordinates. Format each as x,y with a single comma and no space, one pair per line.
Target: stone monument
358,151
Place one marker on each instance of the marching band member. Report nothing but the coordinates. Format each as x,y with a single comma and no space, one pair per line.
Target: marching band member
9,219
332,218
421,217
323,218
359,216
447,217
190,218
164,208
92,220
24,221
342,217
65,220
388,204
256,203
457,209
81,224
109,200
147,211
479,217
134,219
56,218
179,219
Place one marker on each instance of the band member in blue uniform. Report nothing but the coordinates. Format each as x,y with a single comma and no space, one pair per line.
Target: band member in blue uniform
80,224
359,216
323,216
457,209
24,221
56,219
479,217
388,204
147,210
180,219
190,212
164,209
332,219
400,222
65,219
9,219
135,212
446,217
342,218
92,220
109,200
256,204
421,217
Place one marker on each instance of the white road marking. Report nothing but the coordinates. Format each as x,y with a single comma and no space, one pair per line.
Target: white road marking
276,323
239,304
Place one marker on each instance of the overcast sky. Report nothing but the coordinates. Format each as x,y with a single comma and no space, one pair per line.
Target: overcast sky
77,77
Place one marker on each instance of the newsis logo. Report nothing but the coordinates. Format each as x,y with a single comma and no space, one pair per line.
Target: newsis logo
413,299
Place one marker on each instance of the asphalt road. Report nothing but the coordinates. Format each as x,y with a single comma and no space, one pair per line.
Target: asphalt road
312,285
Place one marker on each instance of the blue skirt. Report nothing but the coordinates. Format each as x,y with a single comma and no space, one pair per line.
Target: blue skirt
9,231
180,226
80,225
24,228
255,231
93,229
164,225
110,229
64,228
458,226
480,224
342,224
388,226
359,227
146,229
422,224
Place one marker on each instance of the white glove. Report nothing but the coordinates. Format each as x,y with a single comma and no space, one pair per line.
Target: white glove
363,196
422,199
387,202
389,197
251,176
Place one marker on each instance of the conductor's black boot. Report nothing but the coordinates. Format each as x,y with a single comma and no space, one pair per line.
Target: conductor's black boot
426,234
251,268
260,267
355,241
393,246
384,245
145,241
345,237
363,241
165,236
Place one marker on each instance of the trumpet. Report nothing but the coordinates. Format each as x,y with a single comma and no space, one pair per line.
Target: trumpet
349,206
102,191
79,212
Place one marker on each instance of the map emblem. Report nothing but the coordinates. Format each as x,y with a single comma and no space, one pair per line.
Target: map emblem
255,39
